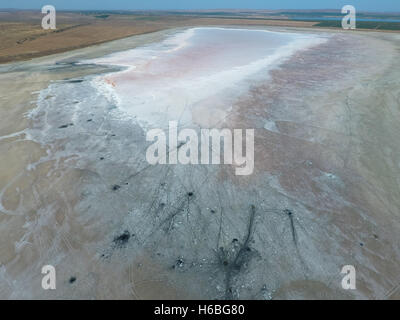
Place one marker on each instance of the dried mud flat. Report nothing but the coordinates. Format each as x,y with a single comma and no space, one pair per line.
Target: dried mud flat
325,192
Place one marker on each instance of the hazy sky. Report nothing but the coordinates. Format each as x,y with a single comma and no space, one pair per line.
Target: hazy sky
370,5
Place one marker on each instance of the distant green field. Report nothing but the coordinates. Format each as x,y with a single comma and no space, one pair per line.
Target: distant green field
362,25
338,14
102,16
328,19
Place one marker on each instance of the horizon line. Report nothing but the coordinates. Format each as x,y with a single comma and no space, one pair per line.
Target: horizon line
198,10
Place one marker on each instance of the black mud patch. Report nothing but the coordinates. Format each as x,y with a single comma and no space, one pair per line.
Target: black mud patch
116,187
65,126
121,240
75,81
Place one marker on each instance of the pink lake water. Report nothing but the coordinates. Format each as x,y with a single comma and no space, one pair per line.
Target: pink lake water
194,75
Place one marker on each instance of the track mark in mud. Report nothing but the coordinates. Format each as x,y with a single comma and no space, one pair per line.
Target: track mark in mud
233,265
183,205
64,126
290,215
